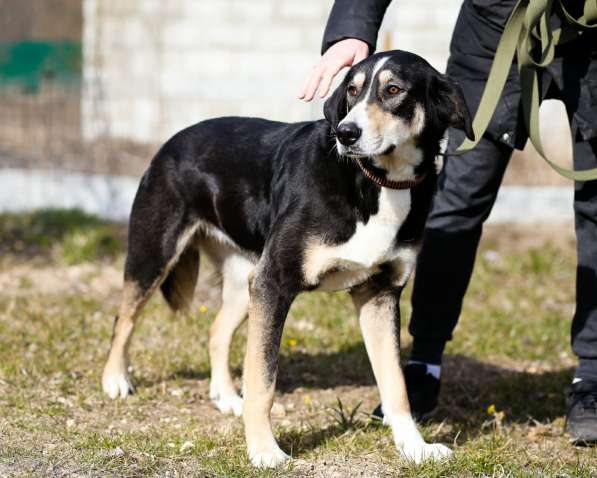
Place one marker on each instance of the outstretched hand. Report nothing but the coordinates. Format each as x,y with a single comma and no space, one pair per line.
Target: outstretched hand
344,53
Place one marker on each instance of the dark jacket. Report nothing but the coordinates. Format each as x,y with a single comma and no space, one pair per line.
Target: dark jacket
572,76
355,19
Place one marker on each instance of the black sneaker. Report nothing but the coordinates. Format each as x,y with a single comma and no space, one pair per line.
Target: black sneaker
581,422
422,389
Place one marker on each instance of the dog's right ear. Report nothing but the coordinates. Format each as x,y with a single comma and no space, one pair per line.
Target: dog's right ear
335,106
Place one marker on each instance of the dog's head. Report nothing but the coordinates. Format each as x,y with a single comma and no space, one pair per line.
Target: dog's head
390,100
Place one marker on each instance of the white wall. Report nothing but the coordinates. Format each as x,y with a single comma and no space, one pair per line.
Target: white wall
152,67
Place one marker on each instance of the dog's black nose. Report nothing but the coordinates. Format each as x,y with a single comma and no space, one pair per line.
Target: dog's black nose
348,133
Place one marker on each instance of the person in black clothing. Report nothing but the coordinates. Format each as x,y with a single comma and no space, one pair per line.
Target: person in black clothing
469,184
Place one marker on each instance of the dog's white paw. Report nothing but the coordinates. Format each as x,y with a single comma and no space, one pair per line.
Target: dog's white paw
225,399
229,404
117,384
425,451
268,458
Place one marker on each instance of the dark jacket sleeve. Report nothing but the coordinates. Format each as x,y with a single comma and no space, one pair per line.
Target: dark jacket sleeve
354,19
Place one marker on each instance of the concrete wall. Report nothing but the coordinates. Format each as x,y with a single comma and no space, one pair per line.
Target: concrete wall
152,67
111,197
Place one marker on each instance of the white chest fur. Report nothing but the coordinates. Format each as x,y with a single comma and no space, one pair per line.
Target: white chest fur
339,266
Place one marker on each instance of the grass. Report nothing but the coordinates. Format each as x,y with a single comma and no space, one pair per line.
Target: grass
502,404
69,236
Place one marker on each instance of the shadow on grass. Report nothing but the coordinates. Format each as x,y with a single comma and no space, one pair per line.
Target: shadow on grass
188,373
469,386
347,366
298,442
467,383
71,233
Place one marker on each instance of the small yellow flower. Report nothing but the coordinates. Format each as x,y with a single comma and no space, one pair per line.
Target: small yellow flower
292,342
307,399
203,309
491,409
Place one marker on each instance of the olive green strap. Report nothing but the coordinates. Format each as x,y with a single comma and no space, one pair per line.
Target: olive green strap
497,75
528,23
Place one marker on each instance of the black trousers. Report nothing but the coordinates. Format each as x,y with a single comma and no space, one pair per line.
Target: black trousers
469,183
467,192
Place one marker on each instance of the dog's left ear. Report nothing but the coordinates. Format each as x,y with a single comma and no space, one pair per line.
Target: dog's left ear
452,105
335,106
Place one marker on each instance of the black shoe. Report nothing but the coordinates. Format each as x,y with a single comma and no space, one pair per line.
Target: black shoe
422,389
581,423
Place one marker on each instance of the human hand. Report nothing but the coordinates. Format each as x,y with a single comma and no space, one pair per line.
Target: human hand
343,53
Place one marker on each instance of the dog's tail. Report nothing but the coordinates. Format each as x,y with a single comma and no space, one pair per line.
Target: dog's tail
179,285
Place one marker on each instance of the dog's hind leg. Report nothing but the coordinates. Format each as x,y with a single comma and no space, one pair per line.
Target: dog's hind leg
115,377
379,318
235,270
160,243
139,285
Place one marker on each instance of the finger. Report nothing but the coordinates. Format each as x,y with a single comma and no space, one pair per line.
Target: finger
307,81
303,90
329,75
326,82
313,84
359,56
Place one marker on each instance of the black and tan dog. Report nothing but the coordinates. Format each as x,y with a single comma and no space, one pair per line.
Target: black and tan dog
284,208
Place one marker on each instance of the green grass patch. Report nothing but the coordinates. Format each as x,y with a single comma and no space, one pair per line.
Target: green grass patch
67,235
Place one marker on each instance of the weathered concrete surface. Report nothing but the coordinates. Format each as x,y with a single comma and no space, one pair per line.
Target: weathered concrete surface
111,197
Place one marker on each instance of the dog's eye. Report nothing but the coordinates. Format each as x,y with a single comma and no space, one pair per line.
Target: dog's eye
352,90
393,90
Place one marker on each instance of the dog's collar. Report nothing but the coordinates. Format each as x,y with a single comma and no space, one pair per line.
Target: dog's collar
390,183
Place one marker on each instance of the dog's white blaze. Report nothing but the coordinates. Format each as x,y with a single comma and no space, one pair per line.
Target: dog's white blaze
372,244
358,114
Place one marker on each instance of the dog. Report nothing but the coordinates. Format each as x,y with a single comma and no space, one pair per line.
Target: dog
283,208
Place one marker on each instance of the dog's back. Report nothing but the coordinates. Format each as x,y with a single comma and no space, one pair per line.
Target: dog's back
221,172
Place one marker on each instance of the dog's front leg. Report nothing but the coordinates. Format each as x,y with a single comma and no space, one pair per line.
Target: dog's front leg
267,313
379,318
